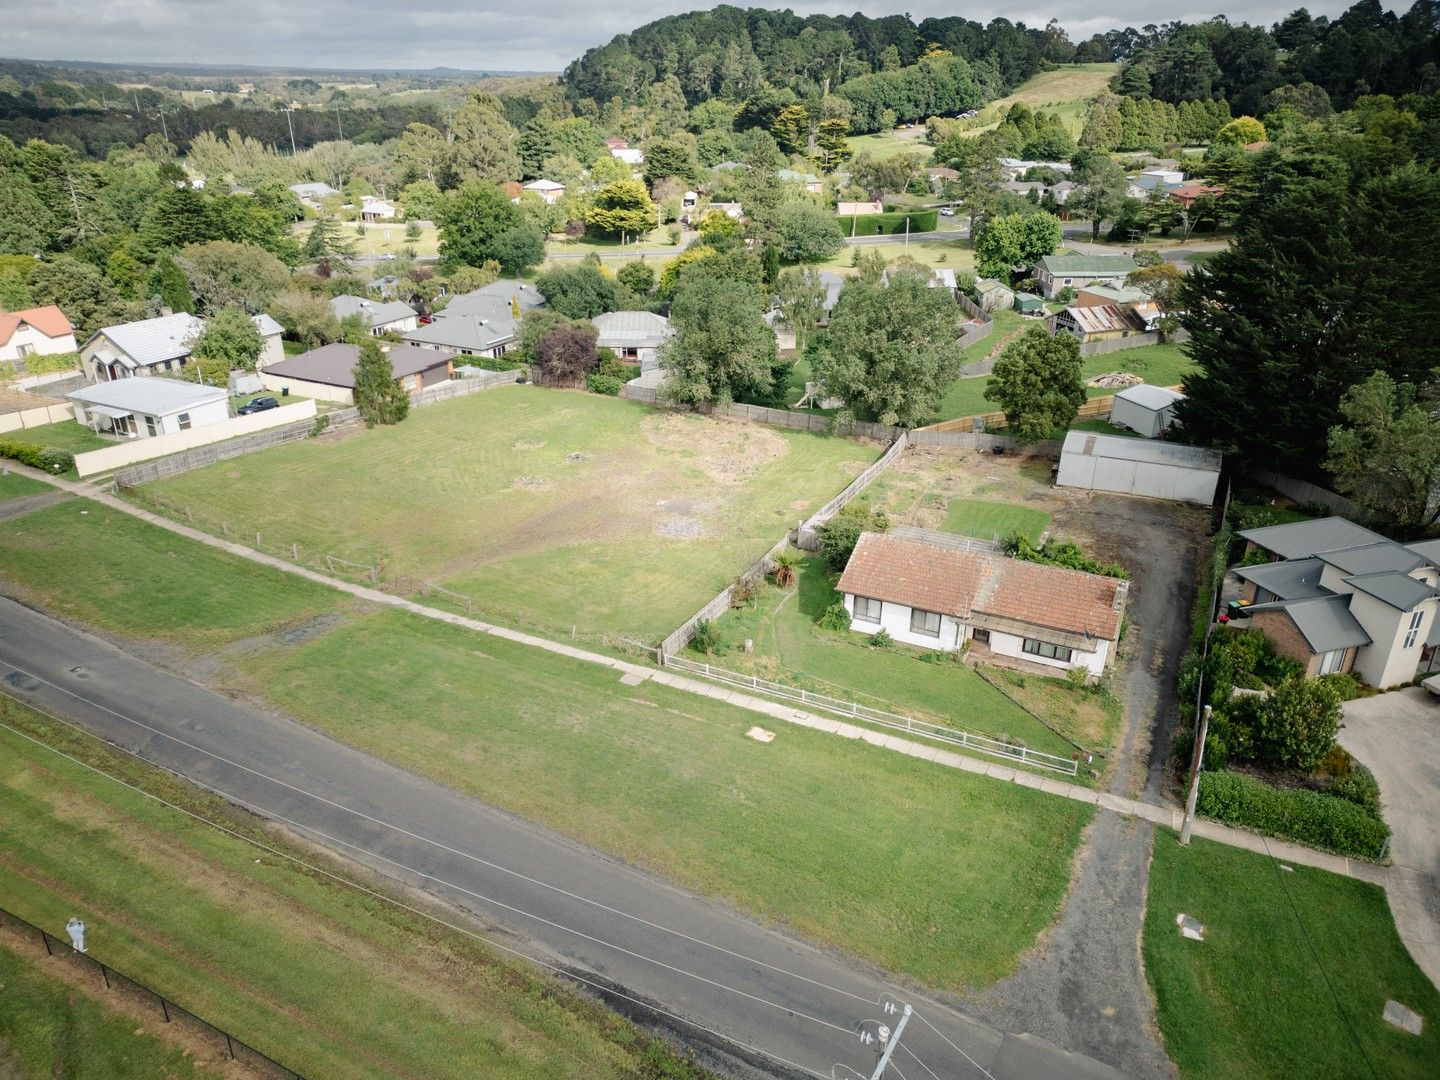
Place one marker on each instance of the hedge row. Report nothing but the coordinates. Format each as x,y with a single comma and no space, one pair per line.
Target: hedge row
1309,817
885,224
37,457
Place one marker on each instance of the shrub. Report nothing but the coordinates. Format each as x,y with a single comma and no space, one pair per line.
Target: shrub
704,637
608,385
835,617
1065,553
318,428
1309,817
1292,728
840,534
1358,786
881,639
55,461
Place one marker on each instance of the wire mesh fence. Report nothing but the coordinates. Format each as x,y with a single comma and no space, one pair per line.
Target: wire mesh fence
121,985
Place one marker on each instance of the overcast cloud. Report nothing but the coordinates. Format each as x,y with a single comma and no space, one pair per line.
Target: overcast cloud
512,35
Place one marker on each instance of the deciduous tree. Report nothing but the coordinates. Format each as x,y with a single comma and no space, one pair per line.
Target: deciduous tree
1037,382
1386,454
801,295
622,209
722,347
1013,241
565,355
229,342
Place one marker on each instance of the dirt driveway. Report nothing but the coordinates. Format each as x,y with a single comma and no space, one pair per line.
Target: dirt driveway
1398,736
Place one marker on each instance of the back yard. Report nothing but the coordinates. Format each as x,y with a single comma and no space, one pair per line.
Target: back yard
553,510
1292,976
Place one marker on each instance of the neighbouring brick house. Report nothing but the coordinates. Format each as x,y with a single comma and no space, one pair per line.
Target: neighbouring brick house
1337,597
938,591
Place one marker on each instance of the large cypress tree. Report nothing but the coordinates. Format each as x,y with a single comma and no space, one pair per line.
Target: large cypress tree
1321,287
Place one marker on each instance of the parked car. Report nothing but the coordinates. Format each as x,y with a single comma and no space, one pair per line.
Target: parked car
259,404
947,211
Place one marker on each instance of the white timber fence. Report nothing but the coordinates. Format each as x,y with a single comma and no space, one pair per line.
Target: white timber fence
894,721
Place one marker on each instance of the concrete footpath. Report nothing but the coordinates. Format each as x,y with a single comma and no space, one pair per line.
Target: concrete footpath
1167,816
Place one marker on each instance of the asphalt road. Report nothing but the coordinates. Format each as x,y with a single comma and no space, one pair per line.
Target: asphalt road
751,1001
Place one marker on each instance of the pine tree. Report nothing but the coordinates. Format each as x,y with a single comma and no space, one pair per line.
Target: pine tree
378,394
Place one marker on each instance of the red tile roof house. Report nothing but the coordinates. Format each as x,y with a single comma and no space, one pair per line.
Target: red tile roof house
925,592
41,331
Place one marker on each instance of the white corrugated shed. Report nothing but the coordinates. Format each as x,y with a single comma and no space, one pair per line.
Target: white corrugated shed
1147,410
1138,467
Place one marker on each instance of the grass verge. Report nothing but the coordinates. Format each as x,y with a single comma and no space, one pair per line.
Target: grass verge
327,980
1292,976
15,486
50,1029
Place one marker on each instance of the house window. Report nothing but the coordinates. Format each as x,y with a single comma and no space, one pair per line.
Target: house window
150,426
1413,632
1330,662
867,610
630,354
925,622
1044,648
981,635
184,421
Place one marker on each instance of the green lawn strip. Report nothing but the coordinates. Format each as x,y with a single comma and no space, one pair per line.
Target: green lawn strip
327,980
50,1029
886,144
137,579
988,520
1254,1000
15,486
64,435
1089,715
810,830
789,647
552,510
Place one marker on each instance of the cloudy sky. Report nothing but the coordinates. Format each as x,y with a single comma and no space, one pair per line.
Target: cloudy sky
515,35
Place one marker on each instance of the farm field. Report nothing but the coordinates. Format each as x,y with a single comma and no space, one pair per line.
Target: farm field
556,511
1292,976
655,776
1066,91
790,647
1160,365
325,979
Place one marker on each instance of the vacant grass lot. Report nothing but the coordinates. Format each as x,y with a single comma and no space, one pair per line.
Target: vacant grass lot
50,1029
790,647
379,238
886,144
808,830
1292,975
327,980
228,599
552,509
1159,365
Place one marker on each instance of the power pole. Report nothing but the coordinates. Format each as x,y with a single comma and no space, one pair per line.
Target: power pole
291,123
1202,729
137,101
339,122
889,1040
164,131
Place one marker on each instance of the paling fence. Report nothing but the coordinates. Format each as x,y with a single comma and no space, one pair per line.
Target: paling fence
122,985
894,721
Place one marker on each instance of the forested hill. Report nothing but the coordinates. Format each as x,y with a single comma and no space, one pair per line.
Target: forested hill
731,53
874,71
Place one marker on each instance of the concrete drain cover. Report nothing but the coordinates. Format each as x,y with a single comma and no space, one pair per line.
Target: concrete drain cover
1190,927
634,678
1403,1018
759,734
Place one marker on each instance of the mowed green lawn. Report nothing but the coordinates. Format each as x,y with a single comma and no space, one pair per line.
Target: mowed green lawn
15,486
991,520
64,435
553,510
1159,365
327,980
48,1028
790,647
1292,976
810,830
139,587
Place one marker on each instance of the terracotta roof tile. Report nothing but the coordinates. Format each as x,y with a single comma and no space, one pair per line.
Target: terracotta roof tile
959,583
49,320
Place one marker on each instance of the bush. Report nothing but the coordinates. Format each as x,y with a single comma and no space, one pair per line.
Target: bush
1309,817
318,428
1064,553
704,638
1359,787
1294,727
840,534
881,639
835,617
608,385
56,461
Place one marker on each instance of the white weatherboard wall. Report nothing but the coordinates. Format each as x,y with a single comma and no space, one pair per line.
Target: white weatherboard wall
28,418
1386,662
895,620
1009,645
114,457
